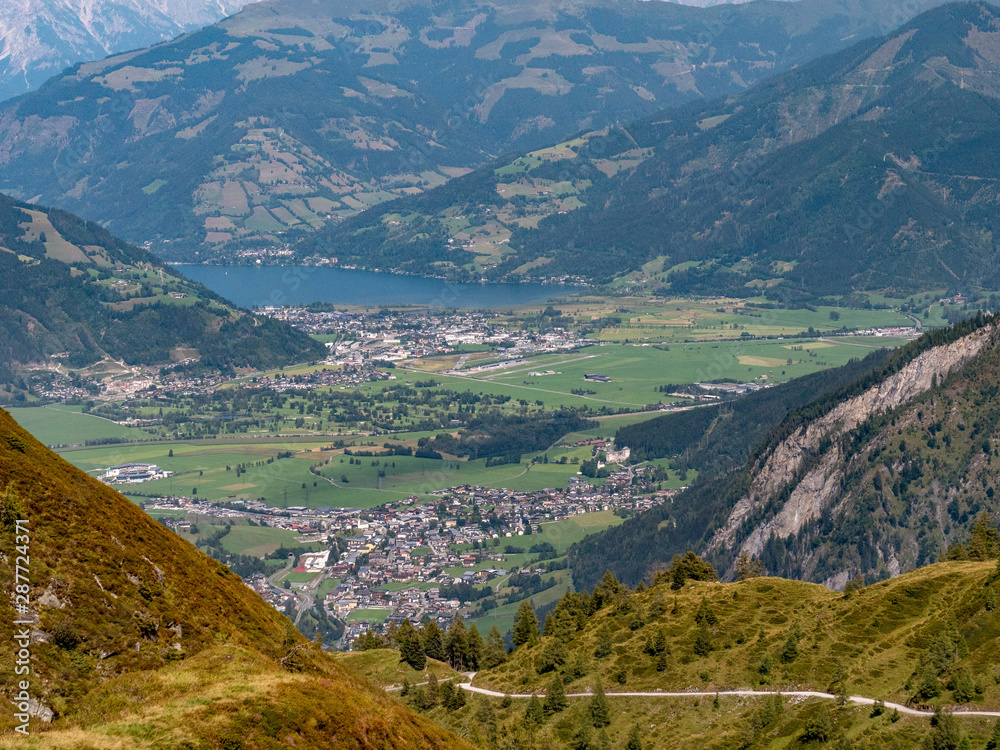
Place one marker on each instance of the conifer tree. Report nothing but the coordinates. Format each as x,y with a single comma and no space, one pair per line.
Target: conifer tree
534,714
476,647
703,643
994,743
581,739
602,741
432,689
604,644
525,630
600,711
411,646
984,542
495,652
457,644
433,640
634,739
555,698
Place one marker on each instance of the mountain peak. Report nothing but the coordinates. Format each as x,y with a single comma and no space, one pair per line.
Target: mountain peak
41,38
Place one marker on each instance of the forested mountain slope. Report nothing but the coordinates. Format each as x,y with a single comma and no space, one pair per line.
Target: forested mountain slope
139,638
73,294
872,168
874,479
296,113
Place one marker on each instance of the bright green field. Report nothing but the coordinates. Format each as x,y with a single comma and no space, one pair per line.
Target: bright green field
561,534
370,615
298,577
636,370
59,424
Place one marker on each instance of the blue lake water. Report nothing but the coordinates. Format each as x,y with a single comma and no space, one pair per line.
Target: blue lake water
260,286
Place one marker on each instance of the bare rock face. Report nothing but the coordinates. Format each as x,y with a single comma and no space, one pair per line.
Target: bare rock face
816,488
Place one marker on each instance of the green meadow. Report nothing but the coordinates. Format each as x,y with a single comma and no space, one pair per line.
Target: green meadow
61,424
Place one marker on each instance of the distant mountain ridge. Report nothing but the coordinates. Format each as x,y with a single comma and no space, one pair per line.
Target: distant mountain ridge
295,114
869,169
41,38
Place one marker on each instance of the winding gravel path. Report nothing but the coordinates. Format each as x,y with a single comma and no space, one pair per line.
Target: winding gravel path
860,700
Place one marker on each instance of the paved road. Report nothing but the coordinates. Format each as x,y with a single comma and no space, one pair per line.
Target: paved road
741,693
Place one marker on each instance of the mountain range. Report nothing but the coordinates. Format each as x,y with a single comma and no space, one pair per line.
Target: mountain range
869,169
41,38
71,294
235,140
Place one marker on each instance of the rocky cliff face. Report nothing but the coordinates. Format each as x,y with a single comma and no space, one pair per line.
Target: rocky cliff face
826,465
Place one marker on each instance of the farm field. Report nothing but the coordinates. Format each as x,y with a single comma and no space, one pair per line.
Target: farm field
62,424
561,534
637,370
654,319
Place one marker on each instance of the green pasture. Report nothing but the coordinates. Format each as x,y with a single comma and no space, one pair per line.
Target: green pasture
60,424
369,615
561,534
636,371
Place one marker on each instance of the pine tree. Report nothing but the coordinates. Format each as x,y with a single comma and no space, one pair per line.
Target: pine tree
984,542
604,644
600,711
411,646
660,641
495,653
555,698
581,740
433,640
661,662
447,694
525,630
549,628
457,644
432,689
602,742
703,644
534,714
705,615
634,740
476,648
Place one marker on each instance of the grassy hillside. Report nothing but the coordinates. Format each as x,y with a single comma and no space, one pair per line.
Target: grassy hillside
821,181
71,294
927,639
875,637
139,640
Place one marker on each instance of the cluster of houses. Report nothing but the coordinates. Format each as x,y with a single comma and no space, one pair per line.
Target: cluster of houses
397,558
396,336
348,376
